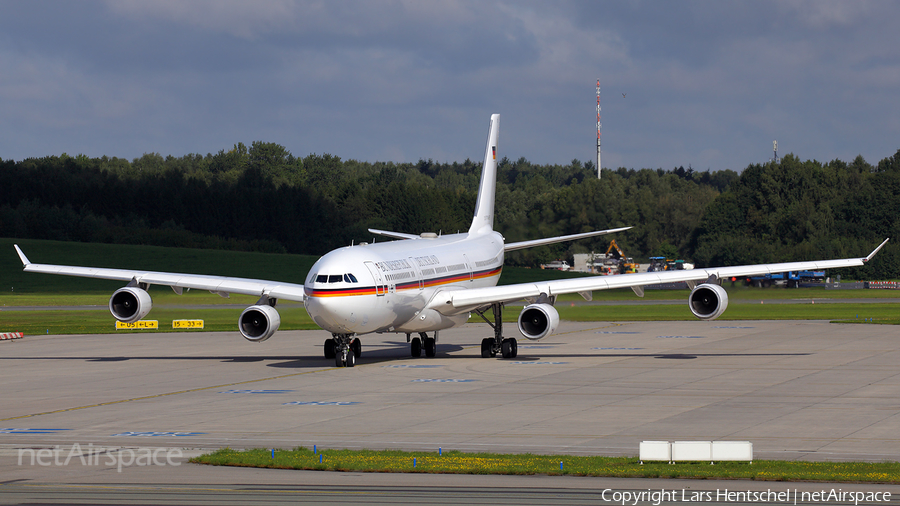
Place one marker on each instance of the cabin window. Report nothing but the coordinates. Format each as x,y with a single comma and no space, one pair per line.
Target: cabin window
335,278
350,278
322,278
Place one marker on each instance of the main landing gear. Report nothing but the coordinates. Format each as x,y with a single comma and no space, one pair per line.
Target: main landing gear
344,349
417,344
490,347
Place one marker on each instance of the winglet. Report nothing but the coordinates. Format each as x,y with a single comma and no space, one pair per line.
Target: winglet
876,250
22,256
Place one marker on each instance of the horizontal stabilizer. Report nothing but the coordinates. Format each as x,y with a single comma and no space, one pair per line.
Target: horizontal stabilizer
553,240
395,235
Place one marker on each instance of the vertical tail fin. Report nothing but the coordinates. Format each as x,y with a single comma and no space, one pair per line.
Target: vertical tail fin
483,221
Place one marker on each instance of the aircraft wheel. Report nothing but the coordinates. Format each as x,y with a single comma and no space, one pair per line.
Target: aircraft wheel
513,347
486,347
415,347
338,360
356,346
430,346
351,359
329,348
505,349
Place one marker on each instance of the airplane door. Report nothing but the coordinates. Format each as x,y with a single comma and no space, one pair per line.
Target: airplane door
417,272
379,279
469,267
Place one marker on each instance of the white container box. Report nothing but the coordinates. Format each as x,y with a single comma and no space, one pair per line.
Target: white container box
692,450
656,450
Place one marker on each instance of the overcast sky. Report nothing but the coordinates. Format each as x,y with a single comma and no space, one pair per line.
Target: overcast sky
707,83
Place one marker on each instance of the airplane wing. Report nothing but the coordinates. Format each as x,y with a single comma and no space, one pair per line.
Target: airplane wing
464,300
220,285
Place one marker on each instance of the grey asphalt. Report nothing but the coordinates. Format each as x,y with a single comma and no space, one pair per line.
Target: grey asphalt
799,390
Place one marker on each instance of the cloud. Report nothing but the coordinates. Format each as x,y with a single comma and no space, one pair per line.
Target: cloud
825,14
707,82
248,20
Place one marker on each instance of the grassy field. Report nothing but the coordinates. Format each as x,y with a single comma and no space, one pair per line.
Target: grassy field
746,303
282,267
101,322
454,462
288,268
294,316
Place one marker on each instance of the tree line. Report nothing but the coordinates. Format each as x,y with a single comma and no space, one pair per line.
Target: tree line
262,198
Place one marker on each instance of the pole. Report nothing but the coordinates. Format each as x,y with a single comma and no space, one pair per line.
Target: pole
598,129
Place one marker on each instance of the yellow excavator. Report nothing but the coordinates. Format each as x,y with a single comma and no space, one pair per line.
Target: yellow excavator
617,262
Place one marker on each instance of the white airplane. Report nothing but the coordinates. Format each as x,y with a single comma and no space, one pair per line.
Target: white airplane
422,284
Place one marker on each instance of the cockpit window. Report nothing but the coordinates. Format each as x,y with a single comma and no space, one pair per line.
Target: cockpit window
336,278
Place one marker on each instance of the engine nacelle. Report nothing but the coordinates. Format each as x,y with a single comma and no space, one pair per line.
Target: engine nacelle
130,304
538,321
258,323
707,301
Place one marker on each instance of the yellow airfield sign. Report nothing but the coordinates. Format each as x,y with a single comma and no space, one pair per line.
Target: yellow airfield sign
138,325
187,324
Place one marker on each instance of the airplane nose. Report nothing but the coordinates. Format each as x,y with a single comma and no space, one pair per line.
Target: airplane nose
330,313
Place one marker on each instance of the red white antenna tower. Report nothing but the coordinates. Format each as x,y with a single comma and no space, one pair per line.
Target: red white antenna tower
598,129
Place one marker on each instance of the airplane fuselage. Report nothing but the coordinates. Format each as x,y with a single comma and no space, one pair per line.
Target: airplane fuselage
387,287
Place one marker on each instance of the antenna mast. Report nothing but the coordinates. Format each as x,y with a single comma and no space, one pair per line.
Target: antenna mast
598,129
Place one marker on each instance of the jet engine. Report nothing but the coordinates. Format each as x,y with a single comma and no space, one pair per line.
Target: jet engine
130,304
258,323
538,321
708,301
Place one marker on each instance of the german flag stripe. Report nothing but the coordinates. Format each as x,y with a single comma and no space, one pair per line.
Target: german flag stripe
339,292
429,283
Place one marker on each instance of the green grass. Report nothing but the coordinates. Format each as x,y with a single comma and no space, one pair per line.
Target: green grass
454,462
26,289
288,268
101,322
16,286
294,316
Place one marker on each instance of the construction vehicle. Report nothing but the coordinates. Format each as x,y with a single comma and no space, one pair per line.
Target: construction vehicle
664,264
678,265
616,262
658,264
788,279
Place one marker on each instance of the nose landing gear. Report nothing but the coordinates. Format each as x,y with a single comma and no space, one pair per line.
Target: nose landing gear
344,349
